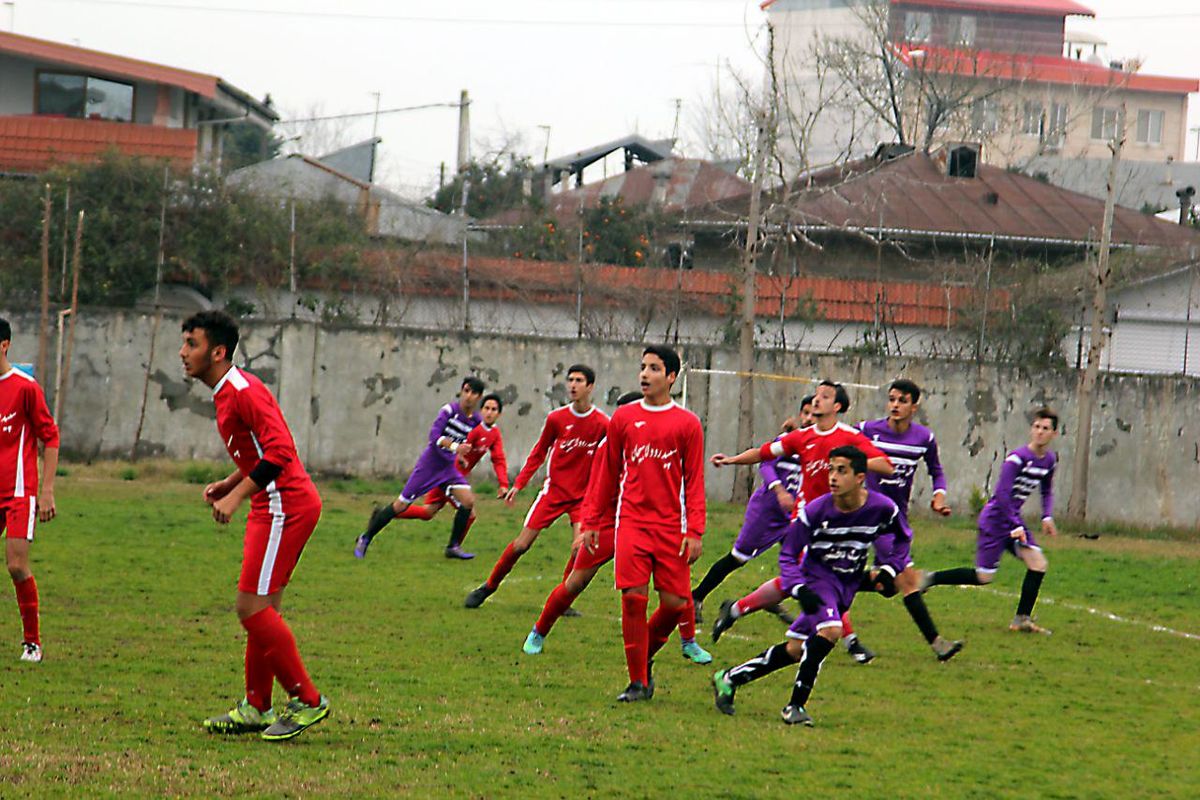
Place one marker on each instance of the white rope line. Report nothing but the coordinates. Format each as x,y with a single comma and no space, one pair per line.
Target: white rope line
772,376
1096,612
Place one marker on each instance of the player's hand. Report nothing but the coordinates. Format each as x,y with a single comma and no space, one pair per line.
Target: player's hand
691,548
1020,535
938,504
225,508
1049,528
719,460
502,492
885,582
45,506
510,496
591,540
215,491
786,501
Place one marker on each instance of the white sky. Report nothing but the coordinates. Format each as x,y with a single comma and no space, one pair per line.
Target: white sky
593,70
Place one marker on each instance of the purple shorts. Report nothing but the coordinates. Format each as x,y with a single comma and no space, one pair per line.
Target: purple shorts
430,474
897,554
836,596
764,527
993,541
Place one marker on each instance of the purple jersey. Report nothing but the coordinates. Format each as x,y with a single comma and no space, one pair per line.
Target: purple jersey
436,466
1022,472
904,450
786,470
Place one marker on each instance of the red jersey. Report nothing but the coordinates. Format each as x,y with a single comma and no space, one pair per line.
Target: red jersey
654,468
813,448
253,429
483,440
599,510
568,443
24,421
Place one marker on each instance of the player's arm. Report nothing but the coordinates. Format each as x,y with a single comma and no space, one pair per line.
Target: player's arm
218,489
1048,526
877,460
537,456
265,420
598,509
694,501
888,562
436,439
1003,496
798,535
785,445
774,483
500,464
938,475
46,431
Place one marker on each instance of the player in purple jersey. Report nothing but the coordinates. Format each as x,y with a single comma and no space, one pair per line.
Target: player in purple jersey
837,529
1001,527
768,514
906,444
435,469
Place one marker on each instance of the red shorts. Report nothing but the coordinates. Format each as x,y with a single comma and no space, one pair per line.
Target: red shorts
18,517
641,554
585,559
546,508
272,547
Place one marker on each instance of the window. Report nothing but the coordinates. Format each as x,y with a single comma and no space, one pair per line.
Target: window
1056,125
963,32
84,97
985,115
1104,123
1150,127
918,26
1034,119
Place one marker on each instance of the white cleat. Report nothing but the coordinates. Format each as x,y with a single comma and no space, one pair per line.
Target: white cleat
31,653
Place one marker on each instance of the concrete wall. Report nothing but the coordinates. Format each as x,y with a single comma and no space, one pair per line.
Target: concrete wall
359,400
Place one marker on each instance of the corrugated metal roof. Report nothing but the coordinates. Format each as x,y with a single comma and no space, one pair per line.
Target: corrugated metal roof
34,143
1046,8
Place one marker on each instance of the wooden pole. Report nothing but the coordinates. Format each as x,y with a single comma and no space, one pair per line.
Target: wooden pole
60,400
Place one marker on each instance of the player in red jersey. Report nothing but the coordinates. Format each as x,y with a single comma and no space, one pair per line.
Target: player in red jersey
284,509
484,439
568,443
24,421
654,473
812,445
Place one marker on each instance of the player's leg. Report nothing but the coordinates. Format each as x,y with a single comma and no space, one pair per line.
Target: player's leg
908,585
557,604
426,476
1035,571
687,636
431,504
18,518
504,565
810,652
989,547
857,650
464,503
769,594
632,569
576,539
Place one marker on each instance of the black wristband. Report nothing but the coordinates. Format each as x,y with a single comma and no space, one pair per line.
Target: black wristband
265,473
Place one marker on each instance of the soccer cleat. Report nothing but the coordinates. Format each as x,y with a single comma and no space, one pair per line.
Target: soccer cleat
699,607
31,652
696,654
785,616
456,551
860,652
476,597
796,715
649,678
533,643
572,611
360,546
945,649
295,719
724,620
242,718
723,692
1025,624
634,693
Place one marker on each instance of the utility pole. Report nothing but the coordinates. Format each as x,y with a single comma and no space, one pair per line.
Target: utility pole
466,280
464,132
1077,506
375,121
546,147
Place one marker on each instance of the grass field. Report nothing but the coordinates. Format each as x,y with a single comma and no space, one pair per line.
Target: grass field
430,699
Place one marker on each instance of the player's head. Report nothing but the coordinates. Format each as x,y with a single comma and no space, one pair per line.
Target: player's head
830,399
805,417
470,393
660,368
5,336
581,379
903,397
209,341
628,398
491,408
1044,428
847,470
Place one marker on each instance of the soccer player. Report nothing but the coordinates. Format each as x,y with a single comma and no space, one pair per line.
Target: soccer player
654,474
837,529
284,509
484,439
436,469
1001,527
907,443
24,421
570,436
812,445
768,514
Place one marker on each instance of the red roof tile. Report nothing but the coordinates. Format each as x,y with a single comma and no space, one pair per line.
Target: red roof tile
1045,8
32,144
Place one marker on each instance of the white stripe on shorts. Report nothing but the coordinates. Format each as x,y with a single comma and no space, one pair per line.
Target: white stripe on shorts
277,520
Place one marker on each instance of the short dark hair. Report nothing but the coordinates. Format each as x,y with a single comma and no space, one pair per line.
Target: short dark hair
839,395
5,330
493,396
584,370
856,457
806,400
474,383
905,386
218,327
669,357
628,398
1045,412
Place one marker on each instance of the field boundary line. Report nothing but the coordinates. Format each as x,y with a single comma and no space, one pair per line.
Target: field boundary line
1096,612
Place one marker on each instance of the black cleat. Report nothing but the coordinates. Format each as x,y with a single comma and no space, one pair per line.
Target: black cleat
634,693
860,652
475,598
785,616
572,612
699,606
650,679
723,692
796,715
945,649
724,620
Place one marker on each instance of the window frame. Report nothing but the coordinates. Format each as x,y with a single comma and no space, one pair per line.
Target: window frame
985,116
1150,115
1104,112
960,26
87,76
925,17
1033,111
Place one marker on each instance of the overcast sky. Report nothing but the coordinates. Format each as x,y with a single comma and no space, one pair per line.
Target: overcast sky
592,70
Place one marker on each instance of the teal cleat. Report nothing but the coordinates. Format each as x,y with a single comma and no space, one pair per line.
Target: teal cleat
533,643
696,654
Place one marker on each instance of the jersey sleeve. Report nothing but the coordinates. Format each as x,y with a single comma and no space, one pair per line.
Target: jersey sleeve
786,445
868,447
499,460
39,416
934,464
439,424
886,553
1048,492
770,475
599,506
1003,496
264,419
797,537
693,479
537,456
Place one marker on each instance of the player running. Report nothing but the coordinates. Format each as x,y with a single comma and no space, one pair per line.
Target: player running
24,421
1001,527
284,509
570,436
436,469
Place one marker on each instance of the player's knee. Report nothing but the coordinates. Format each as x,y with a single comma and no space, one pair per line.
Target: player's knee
17,570
985,577
831,633
672,601
908,582
1036,561
795,649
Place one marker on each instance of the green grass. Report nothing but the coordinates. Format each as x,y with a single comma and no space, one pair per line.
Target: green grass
430,699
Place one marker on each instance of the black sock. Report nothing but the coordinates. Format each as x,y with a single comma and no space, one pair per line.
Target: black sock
1029,592
773,658
815,650
459,529
719,571
961,576
380,519
920,615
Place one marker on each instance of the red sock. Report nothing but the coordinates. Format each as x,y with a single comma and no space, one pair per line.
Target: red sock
847,628
259,677
558,602
467,529
508,559
662,622
570,565
278,645
768,594
636,635
687,622
27,602
415,512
